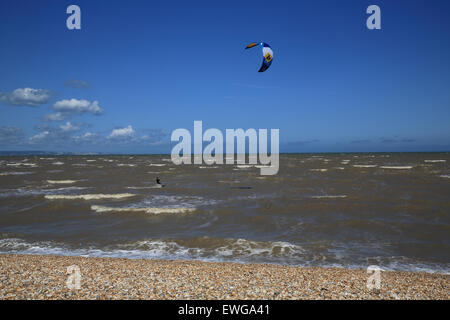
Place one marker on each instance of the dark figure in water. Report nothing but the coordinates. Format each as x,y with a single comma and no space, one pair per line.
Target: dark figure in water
158,181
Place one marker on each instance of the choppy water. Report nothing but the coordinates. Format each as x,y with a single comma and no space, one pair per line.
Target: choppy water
349,210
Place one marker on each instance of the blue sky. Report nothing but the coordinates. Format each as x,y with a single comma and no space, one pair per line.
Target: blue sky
139,69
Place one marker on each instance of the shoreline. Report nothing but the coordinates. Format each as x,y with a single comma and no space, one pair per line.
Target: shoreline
24,276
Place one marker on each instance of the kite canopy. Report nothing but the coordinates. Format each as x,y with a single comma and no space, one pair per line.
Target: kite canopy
267,54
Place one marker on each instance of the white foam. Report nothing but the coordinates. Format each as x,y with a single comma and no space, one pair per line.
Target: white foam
433,161
237,250
157,164
61,181
203,167
89,196
319,170
365,165
19,164
126,165
14,173
156,186
23,192
329,197
445,176
243,166
397,167
151,210
90,160
58,163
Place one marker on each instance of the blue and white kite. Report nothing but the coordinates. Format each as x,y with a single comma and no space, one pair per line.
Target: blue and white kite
267,54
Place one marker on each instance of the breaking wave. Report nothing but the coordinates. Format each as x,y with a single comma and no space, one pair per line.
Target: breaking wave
89,196
144,210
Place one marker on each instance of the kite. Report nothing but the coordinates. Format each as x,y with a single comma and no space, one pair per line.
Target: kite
267,54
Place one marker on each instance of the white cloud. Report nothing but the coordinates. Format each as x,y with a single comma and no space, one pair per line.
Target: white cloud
26,97
68,127
39,137
55,116
88,138
78,106
127,132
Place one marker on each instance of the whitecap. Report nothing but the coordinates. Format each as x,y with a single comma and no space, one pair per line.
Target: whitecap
152,210
89,196
365,165
157,186
329,197
19,164
397,167
14,173
61,181
243,166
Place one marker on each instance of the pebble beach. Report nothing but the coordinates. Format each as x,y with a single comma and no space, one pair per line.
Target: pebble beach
45,277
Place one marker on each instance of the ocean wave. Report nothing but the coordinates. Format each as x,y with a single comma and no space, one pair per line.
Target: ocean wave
15,173
173,201
157,164
365,165
217,250
126,165
328,196
432,161
97,196
61,181
244,166
397,167
319,170
58,163
19,164
156,186
144,210
23,192
445,176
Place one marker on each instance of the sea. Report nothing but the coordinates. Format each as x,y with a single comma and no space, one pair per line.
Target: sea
349,210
